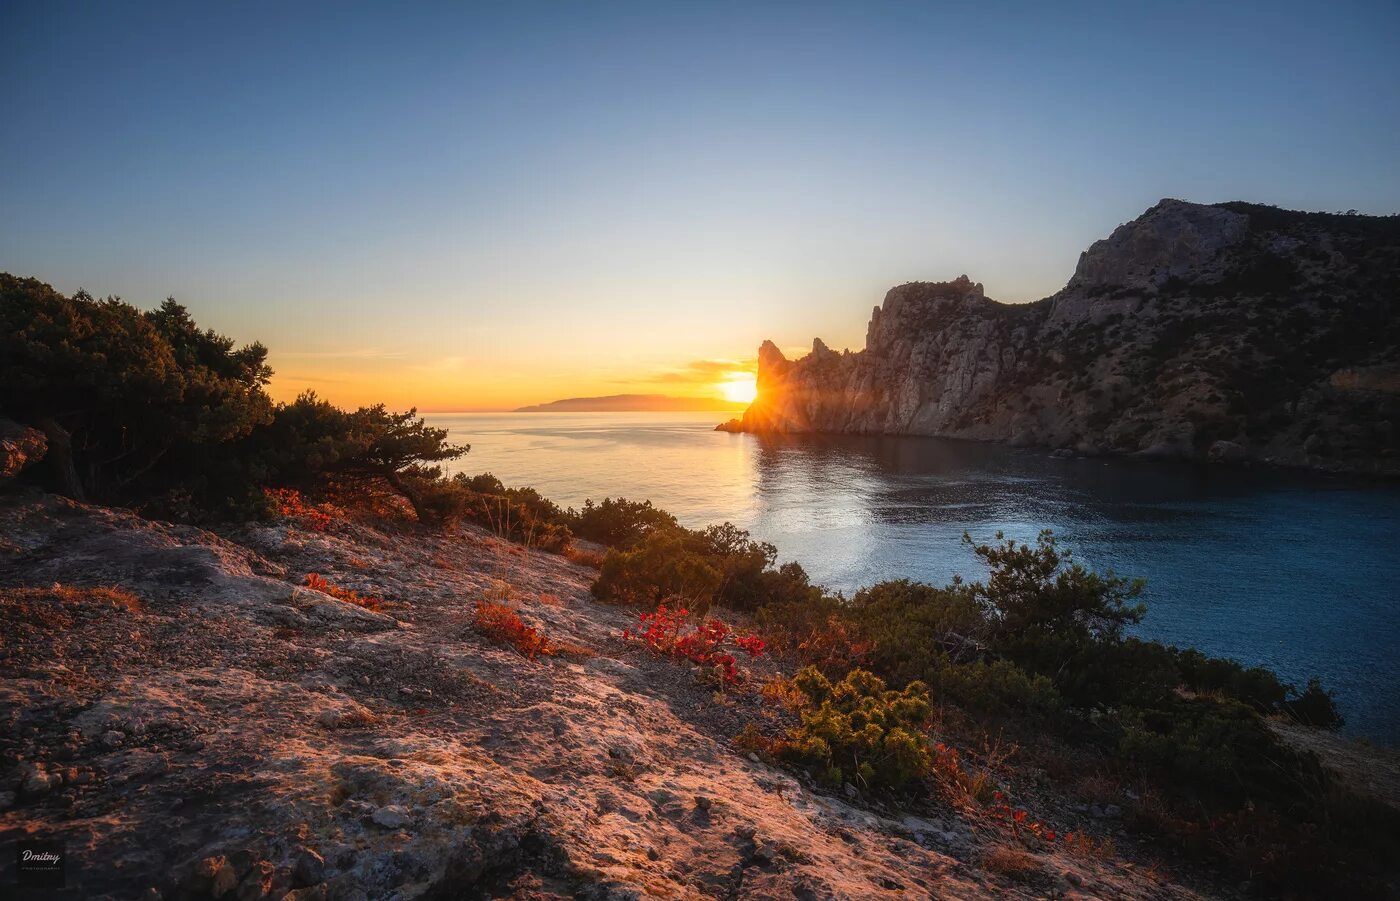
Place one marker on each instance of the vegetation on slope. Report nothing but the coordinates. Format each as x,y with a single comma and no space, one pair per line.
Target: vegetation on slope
145,409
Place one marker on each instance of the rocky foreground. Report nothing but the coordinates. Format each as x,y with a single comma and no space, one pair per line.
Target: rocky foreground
202,726
1229,332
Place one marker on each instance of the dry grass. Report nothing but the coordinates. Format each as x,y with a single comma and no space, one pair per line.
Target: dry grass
551,600
780,691
1086,846
369,602
1097,788
1013,863
572,649
503,625
54,605
584,556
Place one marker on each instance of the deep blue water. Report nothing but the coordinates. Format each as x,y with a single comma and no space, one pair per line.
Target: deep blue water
1298,572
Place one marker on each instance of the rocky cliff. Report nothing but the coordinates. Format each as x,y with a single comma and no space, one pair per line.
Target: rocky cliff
1232,331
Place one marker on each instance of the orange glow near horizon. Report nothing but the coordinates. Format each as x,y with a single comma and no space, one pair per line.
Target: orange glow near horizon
465,383
740,387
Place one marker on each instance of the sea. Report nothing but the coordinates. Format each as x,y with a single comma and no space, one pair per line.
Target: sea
1295,571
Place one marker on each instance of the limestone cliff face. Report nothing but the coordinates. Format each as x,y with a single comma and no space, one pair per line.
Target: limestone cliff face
1232,331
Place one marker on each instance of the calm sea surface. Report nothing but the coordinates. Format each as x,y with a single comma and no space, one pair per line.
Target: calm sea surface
1297,572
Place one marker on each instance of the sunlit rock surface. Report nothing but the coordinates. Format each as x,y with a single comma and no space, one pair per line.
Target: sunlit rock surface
233,735
1262,333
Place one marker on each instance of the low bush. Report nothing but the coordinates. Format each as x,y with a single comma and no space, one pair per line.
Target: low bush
316,583
657,569
290,503
859,731
618,522
503,625
720,564
670,633
585,556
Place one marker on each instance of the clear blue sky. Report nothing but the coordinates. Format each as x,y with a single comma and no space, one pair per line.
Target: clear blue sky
466,208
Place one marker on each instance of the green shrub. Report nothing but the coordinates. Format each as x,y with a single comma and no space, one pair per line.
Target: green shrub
146,408
1221,748
659,568
516,514
618,522
745,565
859,731
1315,707
130,401
995,687
916,629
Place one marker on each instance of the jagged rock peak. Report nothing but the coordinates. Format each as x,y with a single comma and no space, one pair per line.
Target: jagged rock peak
1172,239
769,353
1228,332
909,305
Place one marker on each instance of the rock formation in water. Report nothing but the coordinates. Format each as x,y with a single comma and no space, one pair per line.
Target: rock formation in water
1226,332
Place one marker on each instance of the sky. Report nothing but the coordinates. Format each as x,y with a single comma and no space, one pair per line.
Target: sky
463,207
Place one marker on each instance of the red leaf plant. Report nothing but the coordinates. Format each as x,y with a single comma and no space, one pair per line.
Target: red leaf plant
664,632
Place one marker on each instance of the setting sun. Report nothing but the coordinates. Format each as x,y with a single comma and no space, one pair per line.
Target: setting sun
740,387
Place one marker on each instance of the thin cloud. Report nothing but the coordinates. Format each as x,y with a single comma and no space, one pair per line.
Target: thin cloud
297,377
696,372
364,353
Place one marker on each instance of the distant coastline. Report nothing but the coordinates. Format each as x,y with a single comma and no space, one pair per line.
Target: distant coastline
634,403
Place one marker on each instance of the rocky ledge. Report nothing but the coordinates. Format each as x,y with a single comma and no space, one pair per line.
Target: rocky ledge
1230,332
193,723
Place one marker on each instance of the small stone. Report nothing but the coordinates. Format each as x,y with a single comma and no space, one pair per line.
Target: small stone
702,802
850,790
113,739
257,885
1072,878
391,817
212,876
754,757
308,867
36,780
312,893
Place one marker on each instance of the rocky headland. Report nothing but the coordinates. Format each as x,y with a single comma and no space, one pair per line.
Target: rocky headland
1226,332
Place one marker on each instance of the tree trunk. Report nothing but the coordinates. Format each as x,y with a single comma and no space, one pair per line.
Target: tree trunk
61,455
414,498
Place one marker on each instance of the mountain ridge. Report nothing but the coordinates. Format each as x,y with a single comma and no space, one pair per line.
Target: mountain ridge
1223,332
631,403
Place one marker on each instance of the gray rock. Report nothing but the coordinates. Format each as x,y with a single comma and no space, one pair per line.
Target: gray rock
391,817
36,780
20,446
308,867
1227,452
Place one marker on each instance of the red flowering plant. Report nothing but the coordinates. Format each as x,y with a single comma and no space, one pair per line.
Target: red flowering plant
316,582
504,626
1020,825
290,503
665,633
